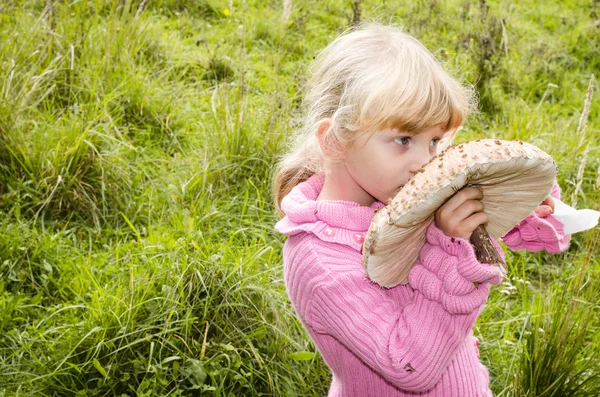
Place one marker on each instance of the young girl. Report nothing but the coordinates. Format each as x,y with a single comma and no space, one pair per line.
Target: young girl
378,106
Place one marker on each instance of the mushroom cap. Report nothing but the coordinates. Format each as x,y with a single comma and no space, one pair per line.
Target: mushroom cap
515,178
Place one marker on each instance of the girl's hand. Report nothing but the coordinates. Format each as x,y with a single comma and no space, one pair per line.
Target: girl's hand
461,214
546,207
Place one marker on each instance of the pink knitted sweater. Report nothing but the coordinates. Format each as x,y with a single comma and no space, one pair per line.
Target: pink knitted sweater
413,339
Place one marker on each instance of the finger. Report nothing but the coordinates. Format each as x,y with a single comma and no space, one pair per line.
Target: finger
549,201
471,223
466,209
464,194
543,210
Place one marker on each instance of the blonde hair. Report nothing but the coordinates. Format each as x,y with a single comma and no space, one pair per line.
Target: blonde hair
372,77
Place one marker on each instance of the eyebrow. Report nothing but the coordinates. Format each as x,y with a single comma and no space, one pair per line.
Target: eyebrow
395,130
441,134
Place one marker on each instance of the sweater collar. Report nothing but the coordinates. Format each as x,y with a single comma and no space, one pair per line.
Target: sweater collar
344,222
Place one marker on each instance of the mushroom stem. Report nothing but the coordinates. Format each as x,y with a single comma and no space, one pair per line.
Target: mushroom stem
484,249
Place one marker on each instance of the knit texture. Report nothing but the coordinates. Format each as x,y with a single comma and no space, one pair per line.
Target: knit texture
413,339
537,233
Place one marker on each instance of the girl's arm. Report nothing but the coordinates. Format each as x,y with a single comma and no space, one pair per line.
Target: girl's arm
410,343
537,233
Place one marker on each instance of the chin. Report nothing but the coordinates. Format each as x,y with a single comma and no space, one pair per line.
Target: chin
395,192
387,198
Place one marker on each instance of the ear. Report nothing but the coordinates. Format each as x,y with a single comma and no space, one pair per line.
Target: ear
331,146
322,127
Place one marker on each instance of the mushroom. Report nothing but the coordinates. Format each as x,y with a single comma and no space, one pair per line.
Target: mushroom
514,176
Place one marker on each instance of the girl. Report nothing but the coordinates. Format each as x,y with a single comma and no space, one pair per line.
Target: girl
378,107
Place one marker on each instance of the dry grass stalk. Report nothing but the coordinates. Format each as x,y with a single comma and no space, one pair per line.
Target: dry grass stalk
140,8
580,176
581,133
504,38
586,111
598,179
287,10
356,12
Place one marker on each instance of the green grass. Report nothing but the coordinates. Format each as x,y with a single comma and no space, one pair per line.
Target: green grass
137,143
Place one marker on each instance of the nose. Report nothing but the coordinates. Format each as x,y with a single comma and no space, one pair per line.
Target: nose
420,158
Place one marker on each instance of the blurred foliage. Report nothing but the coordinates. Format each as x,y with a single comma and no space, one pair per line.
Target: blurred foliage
137,143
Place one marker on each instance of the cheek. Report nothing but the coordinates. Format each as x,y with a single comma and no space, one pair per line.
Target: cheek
379,174
366,171
379,168
388,162
392,163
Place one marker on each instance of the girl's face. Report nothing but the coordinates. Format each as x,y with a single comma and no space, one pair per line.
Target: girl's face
382,164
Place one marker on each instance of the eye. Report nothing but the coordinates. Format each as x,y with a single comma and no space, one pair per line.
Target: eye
402,140
434,142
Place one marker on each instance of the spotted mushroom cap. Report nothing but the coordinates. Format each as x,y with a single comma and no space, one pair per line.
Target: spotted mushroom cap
515,178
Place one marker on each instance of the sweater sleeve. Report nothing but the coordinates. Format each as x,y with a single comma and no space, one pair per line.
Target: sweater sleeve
410,343
536,233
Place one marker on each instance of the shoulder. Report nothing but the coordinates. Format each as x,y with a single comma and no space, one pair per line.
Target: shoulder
319,274
331,257
311,265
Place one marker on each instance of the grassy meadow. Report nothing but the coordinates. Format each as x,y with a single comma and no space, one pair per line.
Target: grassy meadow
137,146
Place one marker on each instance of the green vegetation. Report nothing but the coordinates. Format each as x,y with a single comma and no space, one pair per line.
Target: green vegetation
137,143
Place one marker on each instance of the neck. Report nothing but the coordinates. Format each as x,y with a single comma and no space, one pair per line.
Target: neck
339,185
